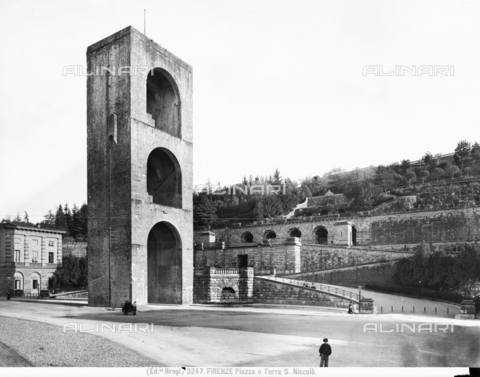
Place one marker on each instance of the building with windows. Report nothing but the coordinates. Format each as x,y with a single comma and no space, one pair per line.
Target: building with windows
28,258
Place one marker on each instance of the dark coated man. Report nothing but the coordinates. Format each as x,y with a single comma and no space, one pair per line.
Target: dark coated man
325,352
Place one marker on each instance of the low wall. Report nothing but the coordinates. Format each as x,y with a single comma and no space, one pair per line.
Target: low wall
269,292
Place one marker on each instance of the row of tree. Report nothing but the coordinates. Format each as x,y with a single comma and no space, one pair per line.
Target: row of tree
73,221
440,271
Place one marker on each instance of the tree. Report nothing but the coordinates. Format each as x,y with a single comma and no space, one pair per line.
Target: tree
289,200
204,210
423,174
452,170
428,158
363,193
305,192
60,221
410,175
17,218
385,176
271,206
73,272
437,173
467,268
404,165
462,153
83,220
277,179
468,170
25,218
475,152
244,182
68,218
258,211
317,185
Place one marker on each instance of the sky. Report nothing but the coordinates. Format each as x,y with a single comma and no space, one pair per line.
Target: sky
277,84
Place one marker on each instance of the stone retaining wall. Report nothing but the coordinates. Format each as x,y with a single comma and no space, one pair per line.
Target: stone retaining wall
319,257
379,273
284,257
456,225
269,292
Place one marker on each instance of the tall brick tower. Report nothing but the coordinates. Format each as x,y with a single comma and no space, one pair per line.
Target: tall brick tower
140,173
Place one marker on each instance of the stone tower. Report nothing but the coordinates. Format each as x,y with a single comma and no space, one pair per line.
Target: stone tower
140,173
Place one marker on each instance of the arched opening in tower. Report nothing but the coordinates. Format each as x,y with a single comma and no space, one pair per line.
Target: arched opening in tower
295,232
163,102
321,234
164,265
324,212
164,178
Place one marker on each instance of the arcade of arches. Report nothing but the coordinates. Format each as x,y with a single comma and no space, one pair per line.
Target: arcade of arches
320,235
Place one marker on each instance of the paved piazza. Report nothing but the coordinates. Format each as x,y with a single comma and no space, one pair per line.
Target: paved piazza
271,336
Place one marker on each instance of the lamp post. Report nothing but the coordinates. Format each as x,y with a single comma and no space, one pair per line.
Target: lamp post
359,296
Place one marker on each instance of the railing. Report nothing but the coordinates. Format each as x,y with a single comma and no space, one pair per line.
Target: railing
20,293
225,271
71,293
316,286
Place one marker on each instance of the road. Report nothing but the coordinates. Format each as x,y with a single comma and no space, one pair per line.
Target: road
272,336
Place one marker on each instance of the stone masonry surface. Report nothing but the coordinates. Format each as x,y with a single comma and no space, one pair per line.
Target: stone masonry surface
121,137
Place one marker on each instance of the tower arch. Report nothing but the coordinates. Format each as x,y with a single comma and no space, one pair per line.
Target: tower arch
164,178
164,264
163,102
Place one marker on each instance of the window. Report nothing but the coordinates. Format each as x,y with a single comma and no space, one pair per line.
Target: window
35,256
35,284
50,257
51,243
17,255
18,284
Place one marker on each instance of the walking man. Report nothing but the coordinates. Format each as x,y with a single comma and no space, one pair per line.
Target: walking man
325,351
